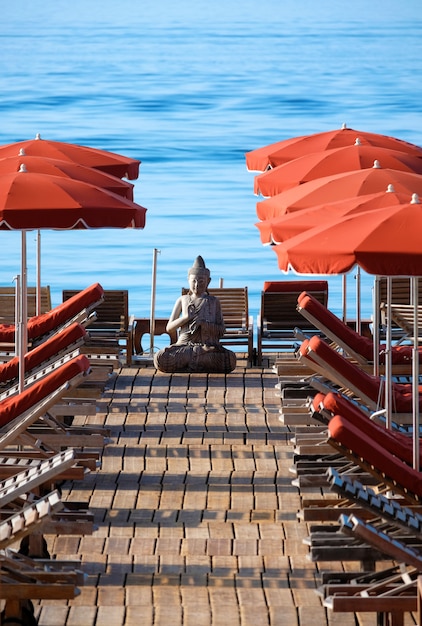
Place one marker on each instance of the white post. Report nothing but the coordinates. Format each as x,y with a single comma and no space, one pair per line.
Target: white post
415,374
358,327
23,314
153,291
376,325
38,290
344,297
388,370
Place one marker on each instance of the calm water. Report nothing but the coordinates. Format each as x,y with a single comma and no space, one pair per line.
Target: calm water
188,88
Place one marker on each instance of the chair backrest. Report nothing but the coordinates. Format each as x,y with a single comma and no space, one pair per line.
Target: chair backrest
401,290
112,313
234,305
279,303
8,299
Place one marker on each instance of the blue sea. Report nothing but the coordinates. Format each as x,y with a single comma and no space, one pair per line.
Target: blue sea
189,87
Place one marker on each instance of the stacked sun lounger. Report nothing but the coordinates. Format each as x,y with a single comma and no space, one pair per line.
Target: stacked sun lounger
360,494
38,451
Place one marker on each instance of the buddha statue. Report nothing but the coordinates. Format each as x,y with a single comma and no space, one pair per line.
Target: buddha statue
199,321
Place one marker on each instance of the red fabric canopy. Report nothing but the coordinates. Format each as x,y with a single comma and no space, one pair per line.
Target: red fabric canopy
109,162
283,151
35,201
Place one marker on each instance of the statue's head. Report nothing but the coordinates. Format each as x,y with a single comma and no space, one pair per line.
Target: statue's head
199,272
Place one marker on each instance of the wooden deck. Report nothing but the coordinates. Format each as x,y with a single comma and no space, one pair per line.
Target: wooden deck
196,513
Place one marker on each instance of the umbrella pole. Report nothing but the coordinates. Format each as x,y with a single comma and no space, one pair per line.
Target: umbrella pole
38,298
376,325
388,381
17,312
153,291
23,314
358,326
415,374
344,297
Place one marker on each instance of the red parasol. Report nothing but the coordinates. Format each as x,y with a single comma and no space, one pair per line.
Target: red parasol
383,242
335,161
68,169
279,229
31,201
339,187
34,201
283,151
109,162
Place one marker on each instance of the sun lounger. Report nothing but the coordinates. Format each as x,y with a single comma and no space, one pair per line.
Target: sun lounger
237,321
30,479
69,373
403,316
357,346
278,316
39,360
395,441
20,412
376,503
17,525
23,579
42,476
369,388
112,329
389,598
8,302
366,452
79,308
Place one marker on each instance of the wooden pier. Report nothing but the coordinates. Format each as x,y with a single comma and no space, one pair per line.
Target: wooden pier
196,512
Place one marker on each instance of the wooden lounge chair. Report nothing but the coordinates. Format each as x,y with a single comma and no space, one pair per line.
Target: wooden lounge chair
403,316
367,387
40,360
20,412
376,503
80,309
397,440
278,316
23,579
357,346
112,325
8,301
238,323
389,598
401,295
366,452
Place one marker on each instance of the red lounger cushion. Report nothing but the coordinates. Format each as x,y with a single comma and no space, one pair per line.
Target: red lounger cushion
359,344
397,443
45,351
42,324
368,449
13,406
369,384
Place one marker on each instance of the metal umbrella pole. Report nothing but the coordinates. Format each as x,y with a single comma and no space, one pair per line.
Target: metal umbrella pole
153,292
38,290
415,374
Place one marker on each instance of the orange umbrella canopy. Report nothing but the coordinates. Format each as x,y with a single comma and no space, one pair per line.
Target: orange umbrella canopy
293,148
109,162
289,225
334,161
383,242
69,169
338,187
37,201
